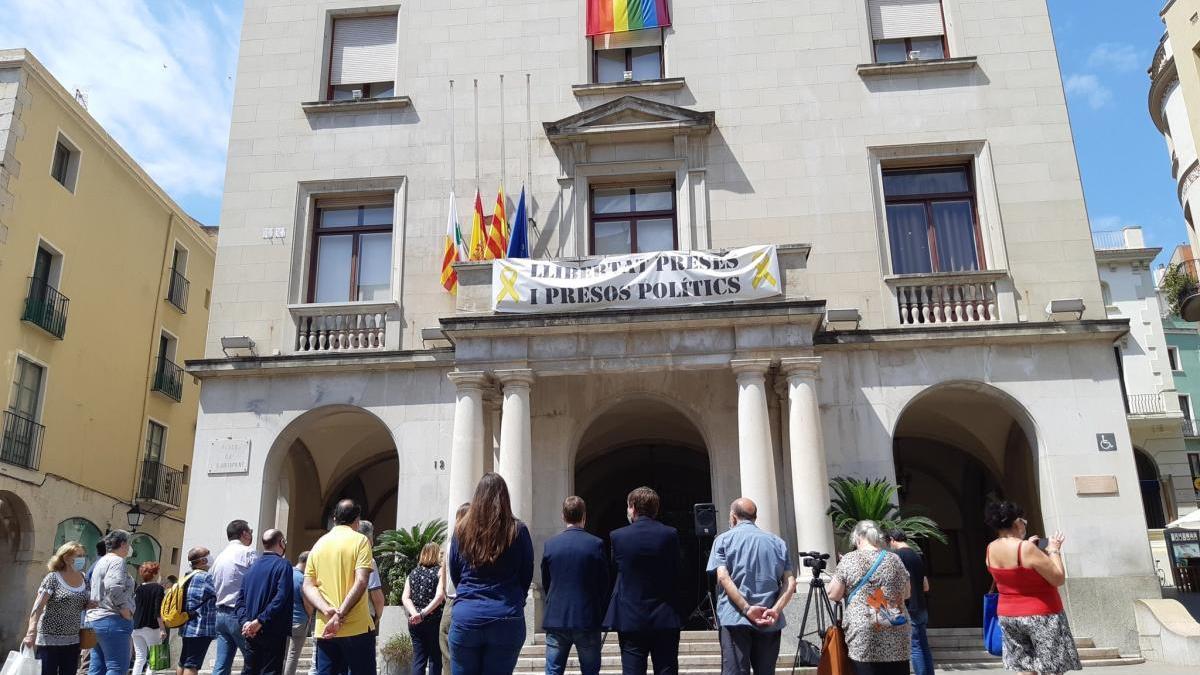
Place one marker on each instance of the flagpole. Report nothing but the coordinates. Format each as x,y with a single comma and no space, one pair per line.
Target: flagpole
528,147
452,144
503,155
477,134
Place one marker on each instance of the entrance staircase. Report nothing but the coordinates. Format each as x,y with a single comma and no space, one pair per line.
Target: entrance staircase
700,654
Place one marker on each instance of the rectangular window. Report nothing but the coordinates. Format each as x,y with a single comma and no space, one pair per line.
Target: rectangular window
1194,462
155,436
931,219
179,287
352,252
26,395
633,219
362,58
907,30
1185,404
64,164
631,56
1173,358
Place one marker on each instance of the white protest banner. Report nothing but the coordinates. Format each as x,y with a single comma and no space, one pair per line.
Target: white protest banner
662,279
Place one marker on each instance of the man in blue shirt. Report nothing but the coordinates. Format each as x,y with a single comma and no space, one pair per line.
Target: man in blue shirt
301,616
575,580
264,607
755,573
200,603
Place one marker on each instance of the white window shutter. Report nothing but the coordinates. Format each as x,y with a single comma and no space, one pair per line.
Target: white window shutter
898,19
364,50
634,38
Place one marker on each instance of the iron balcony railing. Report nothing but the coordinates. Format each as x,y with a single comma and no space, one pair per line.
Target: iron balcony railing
168,379
1108,240
46,308
21,443
177,294
160,483
1145,404
1191,428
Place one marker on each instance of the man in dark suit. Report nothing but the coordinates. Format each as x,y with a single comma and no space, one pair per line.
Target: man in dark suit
643,607
575,579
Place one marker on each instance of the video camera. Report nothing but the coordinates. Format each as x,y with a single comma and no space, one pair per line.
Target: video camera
816,560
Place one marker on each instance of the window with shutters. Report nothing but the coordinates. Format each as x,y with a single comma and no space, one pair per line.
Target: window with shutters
908,30
632,56
362,58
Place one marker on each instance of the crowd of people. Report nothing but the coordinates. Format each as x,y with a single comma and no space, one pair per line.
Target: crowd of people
466,609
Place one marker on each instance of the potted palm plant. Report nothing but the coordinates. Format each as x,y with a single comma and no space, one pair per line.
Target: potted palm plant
855,499
397,551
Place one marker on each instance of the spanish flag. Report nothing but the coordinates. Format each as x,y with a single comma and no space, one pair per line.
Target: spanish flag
450,249
497,241
478,238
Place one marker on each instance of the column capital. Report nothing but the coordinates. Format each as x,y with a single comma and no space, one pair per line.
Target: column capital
750,368
518,378
801,367
467,380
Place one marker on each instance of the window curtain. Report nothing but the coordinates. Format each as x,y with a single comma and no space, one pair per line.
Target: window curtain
954,226
909,235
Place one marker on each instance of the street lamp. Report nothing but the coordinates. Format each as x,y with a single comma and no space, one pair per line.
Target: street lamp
135,517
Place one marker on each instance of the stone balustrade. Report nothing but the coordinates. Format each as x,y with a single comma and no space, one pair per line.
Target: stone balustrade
950,302
354,327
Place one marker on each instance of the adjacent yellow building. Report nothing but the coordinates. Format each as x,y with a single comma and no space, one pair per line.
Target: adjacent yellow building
104,289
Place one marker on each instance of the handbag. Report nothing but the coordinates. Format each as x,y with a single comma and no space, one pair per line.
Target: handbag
835,655
993,640
87,639
24,662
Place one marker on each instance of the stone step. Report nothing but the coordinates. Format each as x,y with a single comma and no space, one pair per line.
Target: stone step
980,655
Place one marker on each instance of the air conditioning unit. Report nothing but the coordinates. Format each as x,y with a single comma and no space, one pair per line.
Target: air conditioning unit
356,94
914,55
628,76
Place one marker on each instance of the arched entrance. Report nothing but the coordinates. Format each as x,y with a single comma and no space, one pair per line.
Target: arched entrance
16,562
1152,489
957,447
333,453
648,442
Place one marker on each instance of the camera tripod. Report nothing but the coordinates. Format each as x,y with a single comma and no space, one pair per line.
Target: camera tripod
706,609
818,603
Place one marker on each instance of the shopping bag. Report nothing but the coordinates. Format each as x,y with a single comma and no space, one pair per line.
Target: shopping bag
160,657
993,641
23,662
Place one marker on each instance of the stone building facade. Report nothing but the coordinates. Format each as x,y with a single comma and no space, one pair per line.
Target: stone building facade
919,175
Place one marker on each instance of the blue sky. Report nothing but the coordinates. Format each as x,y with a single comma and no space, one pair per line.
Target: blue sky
159,76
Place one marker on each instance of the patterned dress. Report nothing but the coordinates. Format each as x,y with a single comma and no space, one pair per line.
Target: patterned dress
59,625
875,620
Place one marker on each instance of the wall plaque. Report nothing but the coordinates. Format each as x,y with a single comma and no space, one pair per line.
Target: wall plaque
1096,485
229,455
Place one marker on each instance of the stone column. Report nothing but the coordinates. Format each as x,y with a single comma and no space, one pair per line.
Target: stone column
516,443
756,456
466,444
810,476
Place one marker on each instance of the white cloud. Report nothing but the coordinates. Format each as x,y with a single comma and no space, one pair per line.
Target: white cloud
1089,88
1115,56
1107,223
158,76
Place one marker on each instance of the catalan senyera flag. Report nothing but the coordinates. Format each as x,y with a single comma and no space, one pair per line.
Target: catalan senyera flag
619,16
450,249
497,237
478,238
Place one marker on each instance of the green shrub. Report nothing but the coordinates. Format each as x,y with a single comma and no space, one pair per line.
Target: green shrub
855,499
397,651
397,552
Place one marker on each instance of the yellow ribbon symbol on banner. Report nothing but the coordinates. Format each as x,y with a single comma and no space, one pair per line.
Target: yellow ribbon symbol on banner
508,287
761,272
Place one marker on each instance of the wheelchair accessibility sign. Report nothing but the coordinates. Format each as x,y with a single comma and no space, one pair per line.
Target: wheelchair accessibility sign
1106,442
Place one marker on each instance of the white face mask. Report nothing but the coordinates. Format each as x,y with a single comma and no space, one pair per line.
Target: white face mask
79,564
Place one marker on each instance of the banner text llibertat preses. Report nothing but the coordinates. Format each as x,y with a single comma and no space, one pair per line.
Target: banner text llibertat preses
661,279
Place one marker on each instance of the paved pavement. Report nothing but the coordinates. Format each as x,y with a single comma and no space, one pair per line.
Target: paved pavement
1148,668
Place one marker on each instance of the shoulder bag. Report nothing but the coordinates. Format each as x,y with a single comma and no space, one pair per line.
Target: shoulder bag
993,640
835,655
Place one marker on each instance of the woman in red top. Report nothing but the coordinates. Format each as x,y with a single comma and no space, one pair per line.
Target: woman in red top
1037,637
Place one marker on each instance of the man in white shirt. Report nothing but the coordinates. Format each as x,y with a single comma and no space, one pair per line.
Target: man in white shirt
227,573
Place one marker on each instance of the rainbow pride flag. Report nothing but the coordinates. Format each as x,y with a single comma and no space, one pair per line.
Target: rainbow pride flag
619,16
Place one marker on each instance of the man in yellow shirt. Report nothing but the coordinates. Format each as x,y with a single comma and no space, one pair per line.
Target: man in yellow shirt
335,582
